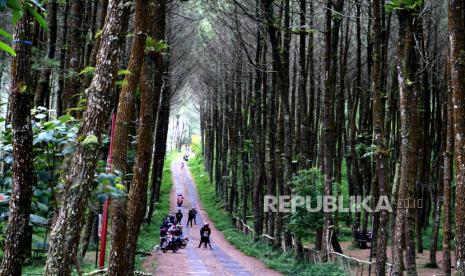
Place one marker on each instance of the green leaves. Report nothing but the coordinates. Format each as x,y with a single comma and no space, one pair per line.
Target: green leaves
157,46
124,72
308,183
407,5
65,118
109,184
53,141
14,5
98,34
17,10
90,142
87,71
121,83
38,17
4,47
5,34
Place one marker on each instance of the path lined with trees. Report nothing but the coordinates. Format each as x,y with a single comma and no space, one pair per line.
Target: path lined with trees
295,97
224,259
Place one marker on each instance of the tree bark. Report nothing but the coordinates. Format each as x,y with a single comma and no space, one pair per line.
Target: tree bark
150,96
117,261
328,122
161,136
378,137
63,55
457,73
43,88
79,175
280,57
21,97
163,114
448,176
72,83
408,90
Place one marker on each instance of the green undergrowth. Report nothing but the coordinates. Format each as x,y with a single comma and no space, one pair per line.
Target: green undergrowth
270,256
148,237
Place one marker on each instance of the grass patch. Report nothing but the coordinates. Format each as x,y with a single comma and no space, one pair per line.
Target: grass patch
270,256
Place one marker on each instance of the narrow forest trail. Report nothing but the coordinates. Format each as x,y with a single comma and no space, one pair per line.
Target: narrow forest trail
224,259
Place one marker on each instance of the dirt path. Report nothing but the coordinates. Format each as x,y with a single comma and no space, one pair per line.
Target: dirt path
224,259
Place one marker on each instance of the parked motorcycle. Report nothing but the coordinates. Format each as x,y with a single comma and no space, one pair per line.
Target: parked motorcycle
170,244
183,242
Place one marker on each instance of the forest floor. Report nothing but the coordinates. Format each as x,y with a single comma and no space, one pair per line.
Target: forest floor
224,259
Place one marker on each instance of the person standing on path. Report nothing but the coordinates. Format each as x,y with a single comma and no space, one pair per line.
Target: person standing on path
205,233
178,217
191,217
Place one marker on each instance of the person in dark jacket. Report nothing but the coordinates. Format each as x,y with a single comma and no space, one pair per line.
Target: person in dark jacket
171,218
163,235
205,233
178,216
191,217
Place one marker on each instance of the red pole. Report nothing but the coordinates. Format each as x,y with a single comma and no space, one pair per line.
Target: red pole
103,237
103,234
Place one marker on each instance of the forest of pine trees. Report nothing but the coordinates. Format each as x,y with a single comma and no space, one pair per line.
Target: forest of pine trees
367,92
294,97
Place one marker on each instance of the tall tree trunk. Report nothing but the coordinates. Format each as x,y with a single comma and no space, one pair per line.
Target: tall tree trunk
281,62
233,138
329,143
150,96
379,135
257,140
163,108
218,130
72,83
160,139
408,90
63,56
448,176
440,99
244,152
21,97
302,113
457,73
79,176
43,89
124,113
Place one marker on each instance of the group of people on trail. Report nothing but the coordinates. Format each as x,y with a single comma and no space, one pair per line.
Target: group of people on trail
191,215
171,233
205,231
171,227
